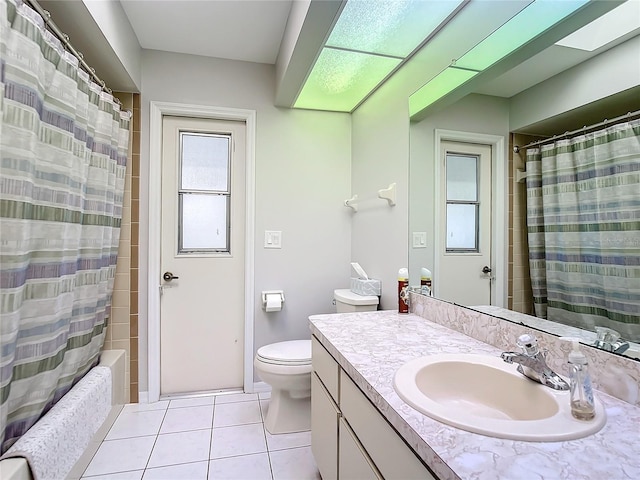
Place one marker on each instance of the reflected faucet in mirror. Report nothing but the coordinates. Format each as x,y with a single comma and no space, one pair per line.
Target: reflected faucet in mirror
609,340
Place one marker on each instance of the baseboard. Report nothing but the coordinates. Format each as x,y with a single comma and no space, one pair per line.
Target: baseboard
260,387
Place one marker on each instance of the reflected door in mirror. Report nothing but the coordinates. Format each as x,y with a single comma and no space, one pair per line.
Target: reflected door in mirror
465,212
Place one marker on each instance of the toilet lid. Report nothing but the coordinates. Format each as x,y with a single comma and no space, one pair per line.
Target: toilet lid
294,352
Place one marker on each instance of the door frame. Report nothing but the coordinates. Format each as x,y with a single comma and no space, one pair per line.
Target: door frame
157,111
499,214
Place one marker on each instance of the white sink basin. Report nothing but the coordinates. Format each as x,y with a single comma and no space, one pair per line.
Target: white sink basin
484,394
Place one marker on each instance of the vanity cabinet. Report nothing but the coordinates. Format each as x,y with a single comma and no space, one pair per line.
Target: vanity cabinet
350,439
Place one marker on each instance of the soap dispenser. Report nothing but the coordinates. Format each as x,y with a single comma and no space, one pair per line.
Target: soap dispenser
582,404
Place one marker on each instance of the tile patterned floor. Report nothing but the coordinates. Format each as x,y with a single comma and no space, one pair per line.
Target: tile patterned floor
204,438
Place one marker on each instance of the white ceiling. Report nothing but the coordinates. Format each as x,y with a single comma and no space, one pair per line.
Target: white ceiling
252,30
246,30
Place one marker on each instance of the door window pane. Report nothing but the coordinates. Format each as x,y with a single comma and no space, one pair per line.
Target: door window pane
205,162
203,222
204,192
462,177
462,227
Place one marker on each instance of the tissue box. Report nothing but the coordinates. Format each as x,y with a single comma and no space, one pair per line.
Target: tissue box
366,287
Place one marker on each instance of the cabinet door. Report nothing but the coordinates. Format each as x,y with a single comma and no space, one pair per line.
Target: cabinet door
324,430
354,463
390,454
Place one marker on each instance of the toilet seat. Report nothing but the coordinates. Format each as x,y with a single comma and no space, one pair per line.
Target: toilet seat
294,352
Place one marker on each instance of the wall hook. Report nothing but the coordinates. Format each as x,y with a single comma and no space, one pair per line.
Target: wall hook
388,194
521,175
352,203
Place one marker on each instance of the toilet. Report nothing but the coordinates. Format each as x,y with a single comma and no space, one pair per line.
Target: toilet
286,367
349,302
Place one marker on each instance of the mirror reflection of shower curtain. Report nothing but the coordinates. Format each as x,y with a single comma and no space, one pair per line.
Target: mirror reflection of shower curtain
583,222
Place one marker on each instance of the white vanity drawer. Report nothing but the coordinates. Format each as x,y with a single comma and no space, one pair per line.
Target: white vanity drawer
354,461
324,430
387,450
326,368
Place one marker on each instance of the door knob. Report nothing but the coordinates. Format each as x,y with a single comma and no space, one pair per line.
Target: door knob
484,270
168,276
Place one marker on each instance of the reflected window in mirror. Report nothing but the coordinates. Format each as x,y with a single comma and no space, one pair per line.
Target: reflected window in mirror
463,203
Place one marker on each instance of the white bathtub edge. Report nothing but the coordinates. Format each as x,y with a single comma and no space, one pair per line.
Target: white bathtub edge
18,468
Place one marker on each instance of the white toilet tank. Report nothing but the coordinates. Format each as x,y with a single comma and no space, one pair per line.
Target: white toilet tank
347,301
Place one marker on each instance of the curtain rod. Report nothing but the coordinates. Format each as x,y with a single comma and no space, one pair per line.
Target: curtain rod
585,129
64,38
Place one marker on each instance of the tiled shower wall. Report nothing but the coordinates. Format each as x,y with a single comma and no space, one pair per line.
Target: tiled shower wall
520,296
122,331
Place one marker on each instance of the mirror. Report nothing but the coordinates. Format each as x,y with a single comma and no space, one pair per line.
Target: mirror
488,115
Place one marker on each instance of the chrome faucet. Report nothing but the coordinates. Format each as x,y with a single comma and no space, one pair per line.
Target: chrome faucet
610,340
531,363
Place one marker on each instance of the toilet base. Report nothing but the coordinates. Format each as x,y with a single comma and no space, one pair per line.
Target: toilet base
287,414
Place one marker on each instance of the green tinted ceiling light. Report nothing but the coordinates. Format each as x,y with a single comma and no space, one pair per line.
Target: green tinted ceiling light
388,27
340,79
523,27
369,41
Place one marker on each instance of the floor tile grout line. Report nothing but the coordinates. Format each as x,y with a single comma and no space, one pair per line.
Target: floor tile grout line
155,441
213,416
174,465
102,475
266,442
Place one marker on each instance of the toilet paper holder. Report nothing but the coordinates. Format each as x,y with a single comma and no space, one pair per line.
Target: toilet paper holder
272,300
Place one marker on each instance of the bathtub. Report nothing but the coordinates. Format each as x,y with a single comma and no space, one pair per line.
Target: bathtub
18,468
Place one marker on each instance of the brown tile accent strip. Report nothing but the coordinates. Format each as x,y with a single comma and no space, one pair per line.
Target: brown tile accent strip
127,329
135,216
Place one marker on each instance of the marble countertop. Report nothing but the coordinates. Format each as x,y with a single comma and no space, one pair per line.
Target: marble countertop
371,346
587,337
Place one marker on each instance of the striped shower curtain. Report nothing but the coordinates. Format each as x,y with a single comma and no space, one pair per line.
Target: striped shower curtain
63,150
583,220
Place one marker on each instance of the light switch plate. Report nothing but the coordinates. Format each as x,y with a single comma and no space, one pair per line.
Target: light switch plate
272,239
419,239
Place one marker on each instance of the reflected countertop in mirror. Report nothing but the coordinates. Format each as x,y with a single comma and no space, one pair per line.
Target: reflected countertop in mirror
586,337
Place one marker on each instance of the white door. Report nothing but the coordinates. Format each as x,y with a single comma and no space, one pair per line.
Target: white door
465,229
202,255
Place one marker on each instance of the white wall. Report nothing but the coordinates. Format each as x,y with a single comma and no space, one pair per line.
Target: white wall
380,145
303,174
611,72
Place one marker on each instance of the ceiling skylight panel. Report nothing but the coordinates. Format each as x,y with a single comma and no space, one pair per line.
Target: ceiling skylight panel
341,79
604,30
389,27
523,27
